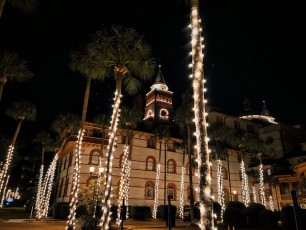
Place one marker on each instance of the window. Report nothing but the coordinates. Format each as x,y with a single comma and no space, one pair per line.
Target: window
151,142
149,191
237,125
123,139
94,157
163,113
171,166
150,164
70,159
120,160
171,191
284,188
224,173
61,187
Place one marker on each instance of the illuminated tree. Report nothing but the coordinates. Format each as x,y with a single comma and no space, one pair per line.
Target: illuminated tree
12,68
198,81
123,52
19,111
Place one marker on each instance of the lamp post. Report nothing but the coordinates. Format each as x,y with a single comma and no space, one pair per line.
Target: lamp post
96,188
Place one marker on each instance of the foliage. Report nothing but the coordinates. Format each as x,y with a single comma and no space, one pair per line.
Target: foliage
252,213
287,216
234,217
267,218
87,222
235,204
81,210
23,110
88,195
61,210
140,212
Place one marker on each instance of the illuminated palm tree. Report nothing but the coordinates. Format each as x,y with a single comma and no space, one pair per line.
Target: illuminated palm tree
86,64
19,111
183,118
45,140
12,68
200,119
26,7
130,118
64,125
123,52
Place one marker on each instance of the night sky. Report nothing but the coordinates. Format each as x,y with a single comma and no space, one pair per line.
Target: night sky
253,49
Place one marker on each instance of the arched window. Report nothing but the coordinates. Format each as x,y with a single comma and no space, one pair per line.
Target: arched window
150,163
149,190
94,157
151,142
163,113
224,173
269,140
171,166
171,191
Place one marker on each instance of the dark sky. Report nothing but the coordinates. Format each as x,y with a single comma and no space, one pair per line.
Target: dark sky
253,49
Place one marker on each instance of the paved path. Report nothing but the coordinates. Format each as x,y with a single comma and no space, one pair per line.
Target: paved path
20,224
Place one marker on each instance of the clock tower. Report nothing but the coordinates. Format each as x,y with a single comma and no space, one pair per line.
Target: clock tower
158,102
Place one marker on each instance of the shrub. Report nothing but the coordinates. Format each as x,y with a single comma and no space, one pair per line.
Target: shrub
140,212
161,211
267,218
81,211
252,213
87,222
61,210
287,217
236,204
217,209
234,217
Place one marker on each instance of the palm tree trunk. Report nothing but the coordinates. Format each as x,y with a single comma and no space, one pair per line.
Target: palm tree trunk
21,119
2,3
200,121
110,149
3,80
86,99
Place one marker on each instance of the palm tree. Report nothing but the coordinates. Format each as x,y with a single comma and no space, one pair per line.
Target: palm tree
26,7
45,140
12,68
19,111
123,52
183,118
129,120
86,64
64,125
200,119
102,120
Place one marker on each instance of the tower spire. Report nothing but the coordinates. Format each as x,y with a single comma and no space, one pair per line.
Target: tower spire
265,110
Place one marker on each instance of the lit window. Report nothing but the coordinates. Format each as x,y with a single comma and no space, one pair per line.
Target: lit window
171,191
95,158
150,164
171,166
149,192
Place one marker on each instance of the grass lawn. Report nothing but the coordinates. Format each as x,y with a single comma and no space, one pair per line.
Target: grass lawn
13,213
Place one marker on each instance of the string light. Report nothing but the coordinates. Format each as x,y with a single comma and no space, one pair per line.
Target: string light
76,180
245,185
182,192
156,191
271,203
3,173
261,185
39,190
106,205
221,200
200,120
254,194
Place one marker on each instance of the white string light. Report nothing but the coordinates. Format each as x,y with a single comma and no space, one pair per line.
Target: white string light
261,185
245,185
221,200
156,191
254,194
271,203
182,192
39,190
3,173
